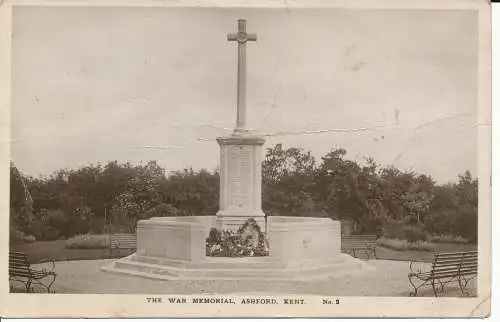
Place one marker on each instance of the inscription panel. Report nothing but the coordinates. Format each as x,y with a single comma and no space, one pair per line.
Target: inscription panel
240,175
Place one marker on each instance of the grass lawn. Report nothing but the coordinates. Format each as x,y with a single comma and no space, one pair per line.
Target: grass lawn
57,251
386,253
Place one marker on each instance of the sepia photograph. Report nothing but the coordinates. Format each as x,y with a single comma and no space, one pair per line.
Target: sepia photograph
281,160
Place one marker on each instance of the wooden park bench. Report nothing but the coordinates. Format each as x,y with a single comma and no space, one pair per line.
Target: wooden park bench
446,268
353,243
21,271
122,241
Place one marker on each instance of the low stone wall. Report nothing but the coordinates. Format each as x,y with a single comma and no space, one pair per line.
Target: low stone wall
291,239
294,239
207,221
173,248
177,238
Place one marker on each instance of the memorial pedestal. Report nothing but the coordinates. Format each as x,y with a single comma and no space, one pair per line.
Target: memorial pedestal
301,249
240,181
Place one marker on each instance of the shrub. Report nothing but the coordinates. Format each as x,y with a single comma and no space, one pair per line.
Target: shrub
163,210
29,239
17,236
87,241
447,239
403,230
391,229
467,223
442,222
412,233
403,245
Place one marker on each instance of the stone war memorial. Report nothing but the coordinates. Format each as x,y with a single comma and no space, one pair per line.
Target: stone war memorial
196,247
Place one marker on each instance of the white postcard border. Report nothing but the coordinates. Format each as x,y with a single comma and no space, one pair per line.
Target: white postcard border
69,305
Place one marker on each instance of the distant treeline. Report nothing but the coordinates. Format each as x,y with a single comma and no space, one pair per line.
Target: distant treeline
382,200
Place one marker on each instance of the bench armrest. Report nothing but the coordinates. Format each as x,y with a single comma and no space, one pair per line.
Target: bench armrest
412,269
48,261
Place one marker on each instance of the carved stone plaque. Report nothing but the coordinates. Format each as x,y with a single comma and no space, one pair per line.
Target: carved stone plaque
240,175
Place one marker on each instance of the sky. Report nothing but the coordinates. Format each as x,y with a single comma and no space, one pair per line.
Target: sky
90,85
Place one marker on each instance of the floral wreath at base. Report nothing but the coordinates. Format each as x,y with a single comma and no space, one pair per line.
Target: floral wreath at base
248,241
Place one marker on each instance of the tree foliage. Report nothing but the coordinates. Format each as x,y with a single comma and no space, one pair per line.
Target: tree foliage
382,200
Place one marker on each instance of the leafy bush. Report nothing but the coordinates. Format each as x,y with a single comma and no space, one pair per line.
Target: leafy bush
29,239
87,241
51,224
17,236
163,210
447,239
467,223
412,233
403,245
403,230
442,222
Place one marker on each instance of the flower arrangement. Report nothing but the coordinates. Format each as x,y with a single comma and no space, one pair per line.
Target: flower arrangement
248,240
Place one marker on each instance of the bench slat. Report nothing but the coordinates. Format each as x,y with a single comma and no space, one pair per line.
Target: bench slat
361,237
435,267
123,241
444,274
18,262
449,258
358,245
448,275
359,241
353,243
436,264
458,253
456,260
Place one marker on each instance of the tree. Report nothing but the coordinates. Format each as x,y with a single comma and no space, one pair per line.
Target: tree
382,200
142,194
288,182
195,193
351,191
21,205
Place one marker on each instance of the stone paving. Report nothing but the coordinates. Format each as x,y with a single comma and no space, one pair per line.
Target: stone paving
388,279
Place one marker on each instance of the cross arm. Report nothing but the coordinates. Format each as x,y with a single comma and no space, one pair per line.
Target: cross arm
252,37
241,37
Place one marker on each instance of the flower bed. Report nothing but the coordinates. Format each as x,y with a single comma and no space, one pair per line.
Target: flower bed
404,245
447,239
88,241
248,241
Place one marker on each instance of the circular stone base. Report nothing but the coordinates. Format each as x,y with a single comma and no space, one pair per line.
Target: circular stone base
244,268
300,248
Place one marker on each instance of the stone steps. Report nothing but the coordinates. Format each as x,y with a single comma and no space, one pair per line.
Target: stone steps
234,263
226,269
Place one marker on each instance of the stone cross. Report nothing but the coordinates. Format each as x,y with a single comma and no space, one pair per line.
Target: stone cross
241,37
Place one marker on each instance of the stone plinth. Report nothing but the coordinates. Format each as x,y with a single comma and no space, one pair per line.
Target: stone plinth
240,181
295,239
176,238
173,248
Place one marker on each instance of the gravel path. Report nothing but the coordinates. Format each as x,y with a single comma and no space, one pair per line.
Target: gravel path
388,279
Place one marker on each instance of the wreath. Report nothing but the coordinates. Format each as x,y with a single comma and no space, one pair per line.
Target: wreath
247,241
